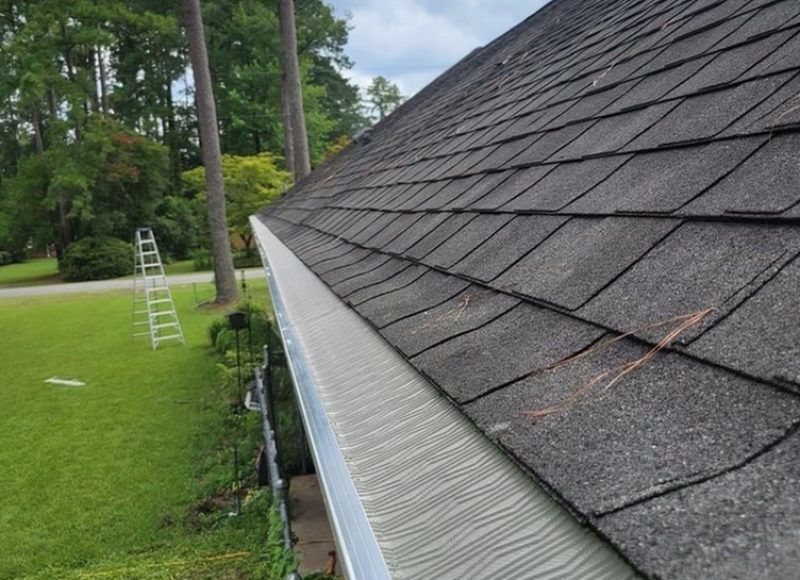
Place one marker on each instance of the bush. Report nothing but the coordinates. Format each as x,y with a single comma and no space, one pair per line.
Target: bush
246,259
96,258
288,423
224,339
5,258
201,259
177,226
216,327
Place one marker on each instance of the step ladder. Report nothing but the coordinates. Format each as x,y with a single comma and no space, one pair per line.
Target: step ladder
154,312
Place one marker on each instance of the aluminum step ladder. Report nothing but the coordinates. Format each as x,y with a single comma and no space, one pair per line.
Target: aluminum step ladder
153,307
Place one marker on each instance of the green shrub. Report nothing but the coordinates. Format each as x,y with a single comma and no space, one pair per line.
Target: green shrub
96,258
177,226
201,259
287,418
246,259
19,255
216,327
224,339
5,258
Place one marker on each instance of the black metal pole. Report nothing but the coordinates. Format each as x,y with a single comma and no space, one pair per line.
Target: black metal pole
238,367
249,339
237,486
303,445
269,388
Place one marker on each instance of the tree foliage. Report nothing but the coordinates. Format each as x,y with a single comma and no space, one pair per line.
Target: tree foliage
113,181
97,115
251,182
383,97
247,74
179,225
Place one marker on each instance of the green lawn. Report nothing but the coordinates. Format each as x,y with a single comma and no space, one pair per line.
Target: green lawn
180,267
100,480
32,272
45,271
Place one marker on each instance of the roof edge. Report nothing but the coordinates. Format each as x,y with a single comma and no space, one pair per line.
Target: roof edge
413,489
355,540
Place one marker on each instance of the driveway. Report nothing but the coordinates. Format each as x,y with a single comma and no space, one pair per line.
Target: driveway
121,284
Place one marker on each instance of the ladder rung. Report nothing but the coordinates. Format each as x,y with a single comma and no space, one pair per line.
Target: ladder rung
150,280
168,337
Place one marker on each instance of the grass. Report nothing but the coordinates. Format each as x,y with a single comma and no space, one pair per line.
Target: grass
124,477
41,271
182,267
32,272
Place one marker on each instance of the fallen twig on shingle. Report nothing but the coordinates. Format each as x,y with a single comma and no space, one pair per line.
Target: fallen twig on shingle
791,109
457,311
619,372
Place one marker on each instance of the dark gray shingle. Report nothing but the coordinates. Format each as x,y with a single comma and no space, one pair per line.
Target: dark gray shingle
512,177
521,341
665,424
582,257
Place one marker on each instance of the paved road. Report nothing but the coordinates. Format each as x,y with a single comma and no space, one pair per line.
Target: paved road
124,284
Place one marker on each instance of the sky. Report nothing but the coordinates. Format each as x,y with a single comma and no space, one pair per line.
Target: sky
411,42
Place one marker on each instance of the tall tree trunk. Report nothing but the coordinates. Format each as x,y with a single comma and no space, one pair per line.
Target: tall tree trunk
102,76
71,76
64,227
293,90
288,134
94,95
36,119
52,105
171,137
224,275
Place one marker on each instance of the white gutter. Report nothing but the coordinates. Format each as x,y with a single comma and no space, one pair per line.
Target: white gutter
357,548
412,488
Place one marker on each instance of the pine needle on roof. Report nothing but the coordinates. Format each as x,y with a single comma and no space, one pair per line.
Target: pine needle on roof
455,313
587,392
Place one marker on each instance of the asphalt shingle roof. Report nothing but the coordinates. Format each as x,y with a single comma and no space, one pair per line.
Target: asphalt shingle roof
608,169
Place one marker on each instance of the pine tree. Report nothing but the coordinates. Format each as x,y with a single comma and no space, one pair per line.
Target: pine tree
224,275
293,93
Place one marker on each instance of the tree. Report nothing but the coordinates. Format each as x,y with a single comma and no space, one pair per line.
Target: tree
69,65
251,183
383,97
177,226
224,275
112,181
247,76
146,60
293,115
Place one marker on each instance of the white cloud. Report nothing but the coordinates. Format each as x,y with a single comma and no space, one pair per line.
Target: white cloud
411,42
